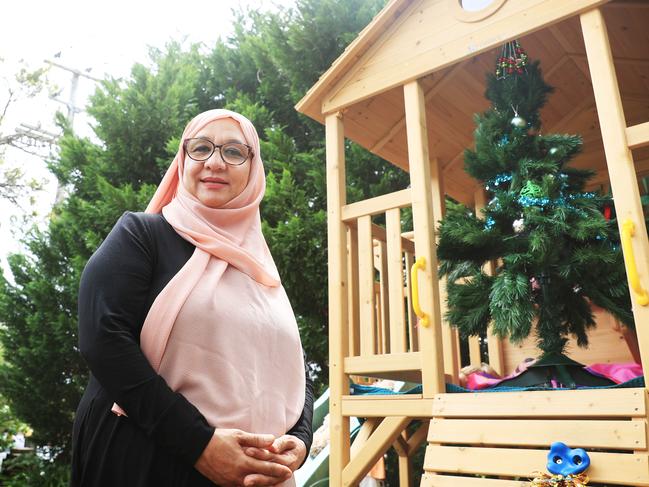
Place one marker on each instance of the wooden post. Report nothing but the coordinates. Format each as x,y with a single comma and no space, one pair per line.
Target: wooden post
352,292
430,344
494,344
619,161
338,331
451,346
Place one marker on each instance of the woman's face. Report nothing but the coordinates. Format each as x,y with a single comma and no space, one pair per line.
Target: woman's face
213,182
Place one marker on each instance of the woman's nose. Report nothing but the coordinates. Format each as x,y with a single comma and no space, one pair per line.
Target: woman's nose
215,161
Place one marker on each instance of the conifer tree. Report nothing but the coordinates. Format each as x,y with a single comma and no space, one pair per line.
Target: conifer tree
555,252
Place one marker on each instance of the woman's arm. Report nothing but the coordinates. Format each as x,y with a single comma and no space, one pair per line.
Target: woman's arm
113,293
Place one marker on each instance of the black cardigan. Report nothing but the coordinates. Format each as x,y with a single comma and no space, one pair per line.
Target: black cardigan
118,286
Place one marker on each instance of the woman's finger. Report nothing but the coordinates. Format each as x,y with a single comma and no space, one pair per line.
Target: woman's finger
270,469
258,440
259,454
282,444
256,480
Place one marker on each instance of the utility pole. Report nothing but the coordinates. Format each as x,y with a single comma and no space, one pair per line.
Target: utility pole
71,106
74,83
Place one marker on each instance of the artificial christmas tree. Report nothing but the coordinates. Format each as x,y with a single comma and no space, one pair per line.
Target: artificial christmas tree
554,251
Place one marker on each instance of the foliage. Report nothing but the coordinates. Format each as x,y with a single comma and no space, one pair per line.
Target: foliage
138,121
24,84
555,251
31,470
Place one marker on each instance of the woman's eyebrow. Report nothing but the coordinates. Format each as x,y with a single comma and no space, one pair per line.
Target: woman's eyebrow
229,141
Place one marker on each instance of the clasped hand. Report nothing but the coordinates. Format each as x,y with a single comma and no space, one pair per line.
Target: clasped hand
236,458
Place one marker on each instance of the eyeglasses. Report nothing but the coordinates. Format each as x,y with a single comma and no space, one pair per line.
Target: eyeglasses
232,153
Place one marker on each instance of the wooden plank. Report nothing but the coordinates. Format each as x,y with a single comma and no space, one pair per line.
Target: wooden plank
338,339
430,480
450,345
423,218
615,435
395,285
494,344
352,293
366,296
413,331
376,445
613,468
384,299
619,161
417,437
405,472
377,205
475,357
366,365
411,405
614,403
423,50
363,435
638,135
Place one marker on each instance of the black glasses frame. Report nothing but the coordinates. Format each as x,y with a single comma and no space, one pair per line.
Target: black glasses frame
220,148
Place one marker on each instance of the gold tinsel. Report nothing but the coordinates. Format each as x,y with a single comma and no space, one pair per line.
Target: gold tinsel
547,480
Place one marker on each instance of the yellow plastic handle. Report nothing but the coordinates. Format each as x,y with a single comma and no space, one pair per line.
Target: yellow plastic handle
420,263
628,230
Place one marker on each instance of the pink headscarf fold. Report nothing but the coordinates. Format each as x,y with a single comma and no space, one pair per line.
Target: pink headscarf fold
231,233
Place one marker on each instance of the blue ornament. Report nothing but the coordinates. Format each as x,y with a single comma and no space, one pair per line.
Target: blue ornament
489,223
504,140
562,460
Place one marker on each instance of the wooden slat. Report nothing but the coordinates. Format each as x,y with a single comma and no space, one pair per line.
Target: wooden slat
423,218
411,405
418,437
381,439
475,357
366,286
352,291
616,435
638,135
428,480
613,468
494,344
338,339
384,309
395,286
363,435
543,404
378,233
379,204
619,160
413,332
366,365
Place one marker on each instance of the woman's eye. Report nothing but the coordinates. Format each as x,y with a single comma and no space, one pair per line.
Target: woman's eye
233,151
202,149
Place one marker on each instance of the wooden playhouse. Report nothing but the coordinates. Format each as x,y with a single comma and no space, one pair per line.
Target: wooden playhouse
406,89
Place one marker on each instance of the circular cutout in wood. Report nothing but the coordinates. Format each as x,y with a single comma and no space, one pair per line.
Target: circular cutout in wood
474,10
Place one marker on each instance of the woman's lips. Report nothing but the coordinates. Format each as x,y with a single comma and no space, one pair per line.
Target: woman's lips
214,183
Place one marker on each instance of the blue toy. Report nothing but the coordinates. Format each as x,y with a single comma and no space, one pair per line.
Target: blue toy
566,467
563,460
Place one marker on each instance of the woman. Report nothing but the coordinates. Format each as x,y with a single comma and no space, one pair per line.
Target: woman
197,374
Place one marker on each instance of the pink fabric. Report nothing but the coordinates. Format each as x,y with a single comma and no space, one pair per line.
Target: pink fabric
482,380
229,235
617,372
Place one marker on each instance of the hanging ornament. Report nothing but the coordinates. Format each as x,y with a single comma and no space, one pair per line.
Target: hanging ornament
518,225
608,211
518,121
532,190
566,467
512,60
553,151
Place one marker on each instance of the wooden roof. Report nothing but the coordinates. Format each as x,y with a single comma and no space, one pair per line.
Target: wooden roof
427,39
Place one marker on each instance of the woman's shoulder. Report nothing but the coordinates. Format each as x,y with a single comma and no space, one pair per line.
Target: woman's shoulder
144,224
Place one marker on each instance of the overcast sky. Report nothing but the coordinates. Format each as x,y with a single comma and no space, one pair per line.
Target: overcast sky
100,38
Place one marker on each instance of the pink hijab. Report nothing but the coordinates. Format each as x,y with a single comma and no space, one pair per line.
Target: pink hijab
231,233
